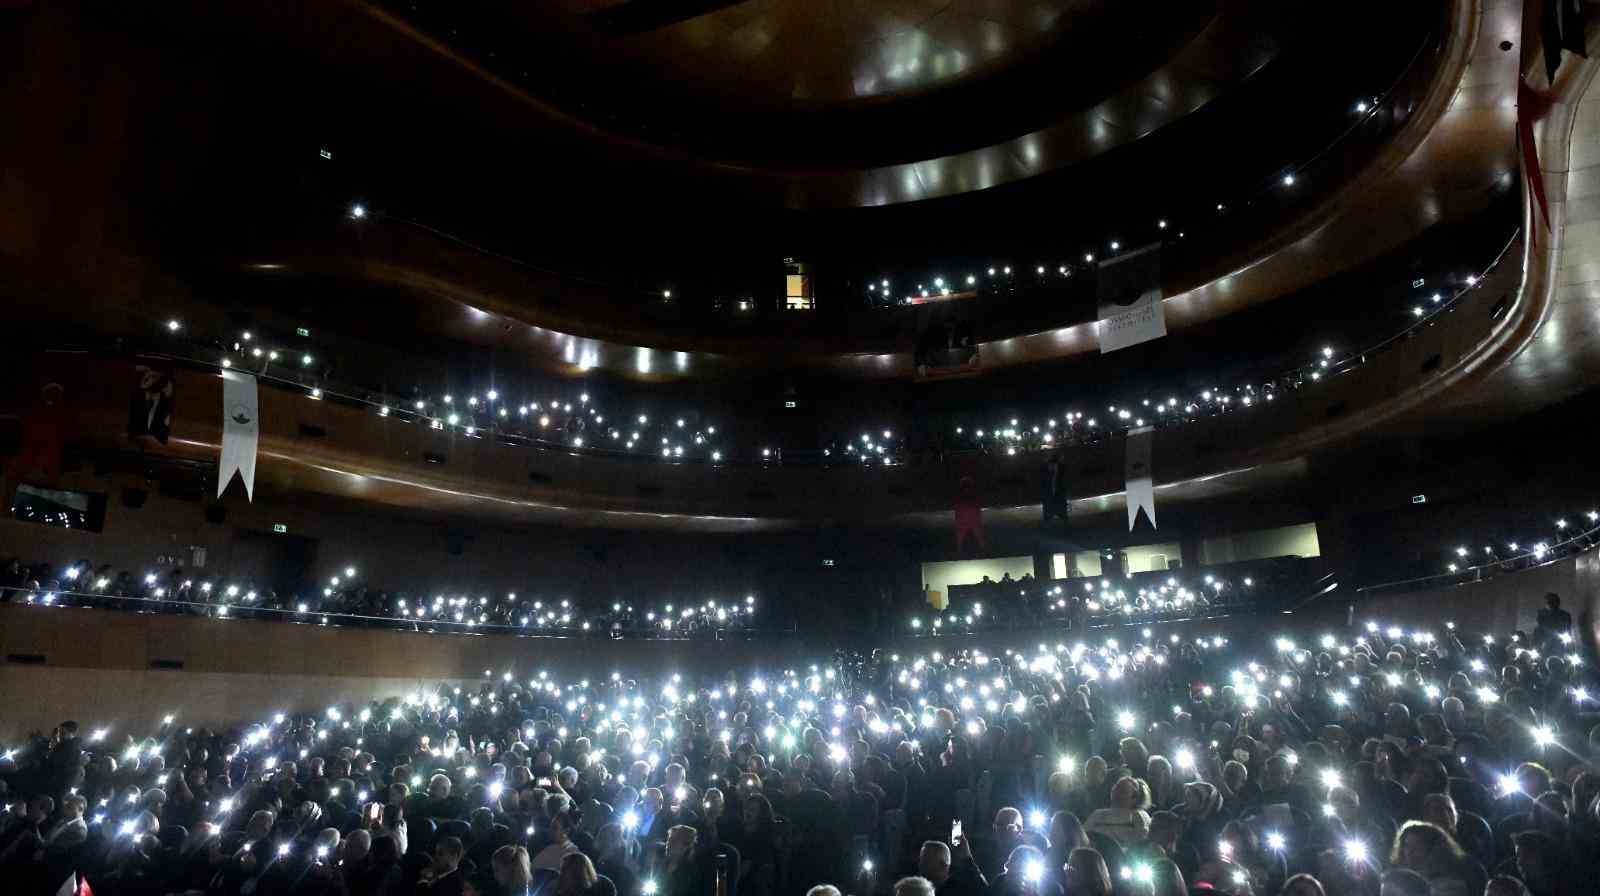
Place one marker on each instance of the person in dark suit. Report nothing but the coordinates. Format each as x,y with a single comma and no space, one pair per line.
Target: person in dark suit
1553,622
444,877
951,869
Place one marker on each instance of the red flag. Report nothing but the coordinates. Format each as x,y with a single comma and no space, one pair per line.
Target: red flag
1532,107
969,515
44,435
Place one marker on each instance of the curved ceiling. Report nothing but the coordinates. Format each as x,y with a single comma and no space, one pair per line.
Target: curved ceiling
1459,147
1448,155
839,105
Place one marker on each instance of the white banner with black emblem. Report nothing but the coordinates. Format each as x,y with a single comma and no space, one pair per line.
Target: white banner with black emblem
1129,295
241,429
1141,494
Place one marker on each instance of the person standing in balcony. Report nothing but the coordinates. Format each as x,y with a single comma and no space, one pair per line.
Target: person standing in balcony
1553,622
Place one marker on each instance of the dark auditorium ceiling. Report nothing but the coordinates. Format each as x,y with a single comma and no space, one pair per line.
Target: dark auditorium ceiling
627,148
650,142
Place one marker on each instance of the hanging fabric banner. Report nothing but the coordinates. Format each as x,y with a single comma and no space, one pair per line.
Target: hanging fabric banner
1129,295
241,429
1141,493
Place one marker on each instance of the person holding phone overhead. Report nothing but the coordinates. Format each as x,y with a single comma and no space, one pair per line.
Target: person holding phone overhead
950,868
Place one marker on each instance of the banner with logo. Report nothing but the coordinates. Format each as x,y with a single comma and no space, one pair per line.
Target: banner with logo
241,430
1128,292
1141,493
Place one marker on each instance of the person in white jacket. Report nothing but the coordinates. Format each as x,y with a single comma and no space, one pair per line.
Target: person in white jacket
1126,821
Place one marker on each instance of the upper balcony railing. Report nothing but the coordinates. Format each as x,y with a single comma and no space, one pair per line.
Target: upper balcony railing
567,420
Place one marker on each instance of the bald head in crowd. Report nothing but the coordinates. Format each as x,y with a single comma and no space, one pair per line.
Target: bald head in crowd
933,862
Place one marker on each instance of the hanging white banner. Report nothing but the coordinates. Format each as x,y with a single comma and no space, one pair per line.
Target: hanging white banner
1129,295
1141,493
241,429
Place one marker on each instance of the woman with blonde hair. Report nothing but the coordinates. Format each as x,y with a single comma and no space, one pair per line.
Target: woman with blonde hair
1431,852
1086,874
513,870
578,878
1066,835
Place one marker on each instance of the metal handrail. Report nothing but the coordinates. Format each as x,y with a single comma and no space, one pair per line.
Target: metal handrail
1525,560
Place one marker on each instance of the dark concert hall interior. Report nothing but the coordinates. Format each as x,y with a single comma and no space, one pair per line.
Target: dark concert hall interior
800,448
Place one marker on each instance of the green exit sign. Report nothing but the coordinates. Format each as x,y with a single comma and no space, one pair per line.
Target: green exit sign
280,528
302,331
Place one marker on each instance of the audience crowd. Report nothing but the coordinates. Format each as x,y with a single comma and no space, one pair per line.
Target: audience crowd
1384,761
346,601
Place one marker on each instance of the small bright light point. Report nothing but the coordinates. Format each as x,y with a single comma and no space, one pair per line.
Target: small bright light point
358,211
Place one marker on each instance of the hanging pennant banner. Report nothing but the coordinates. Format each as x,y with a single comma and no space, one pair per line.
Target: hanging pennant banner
1141,493
1129,295
241,429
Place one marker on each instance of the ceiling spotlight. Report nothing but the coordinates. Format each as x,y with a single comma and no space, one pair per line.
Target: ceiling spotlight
1088,256
1362,106
358,211
666,293
173,325
1115,245
1162,223
305,360
1288,179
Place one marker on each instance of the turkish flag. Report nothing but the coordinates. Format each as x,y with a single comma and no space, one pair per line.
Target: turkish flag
969,515
74,885
44,436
